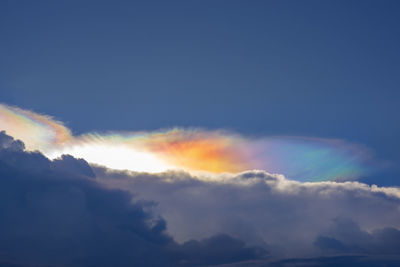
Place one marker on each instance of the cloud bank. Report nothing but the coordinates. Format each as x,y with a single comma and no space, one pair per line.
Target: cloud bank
66,212
57,213
289,218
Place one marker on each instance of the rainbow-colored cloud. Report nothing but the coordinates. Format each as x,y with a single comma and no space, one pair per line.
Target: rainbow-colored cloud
193,150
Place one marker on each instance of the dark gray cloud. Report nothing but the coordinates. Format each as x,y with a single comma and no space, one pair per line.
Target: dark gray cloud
346,236
57,213
355,260
215,250
8,142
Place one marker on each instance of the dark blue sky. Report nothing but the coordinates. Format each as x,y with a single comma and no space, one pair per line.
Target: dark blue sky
315,68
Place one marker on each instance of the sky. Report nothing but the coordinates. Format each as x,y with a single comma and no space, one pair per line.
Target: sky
321,68
224,99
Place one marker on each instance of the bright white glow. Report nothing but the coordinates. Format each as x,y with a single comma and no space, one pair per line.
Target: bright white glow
115,157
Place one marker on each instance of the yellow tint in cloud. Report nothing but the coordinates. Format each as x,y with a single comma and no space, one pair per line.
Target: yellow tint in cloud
38,132
193,150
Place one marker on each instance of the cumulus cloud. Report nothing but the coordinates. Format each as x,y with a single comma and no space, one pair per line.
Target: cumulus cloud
67,212
290,218
56,212
346,236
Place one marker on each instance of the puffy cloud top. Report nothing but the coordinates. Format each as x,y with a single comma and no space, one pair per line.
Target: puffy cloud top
290,218
54,212
66,212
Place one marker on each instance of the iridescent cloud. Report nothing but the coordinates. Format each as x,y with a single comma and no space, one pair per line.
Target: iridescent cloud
39,132
193,150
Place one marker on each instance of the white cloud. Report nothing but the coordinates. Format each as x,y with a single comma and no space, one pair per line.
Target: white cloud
259,208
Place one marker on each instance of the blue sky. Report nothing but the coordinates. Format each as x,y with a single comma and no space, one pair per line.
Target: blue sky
268,94
312,68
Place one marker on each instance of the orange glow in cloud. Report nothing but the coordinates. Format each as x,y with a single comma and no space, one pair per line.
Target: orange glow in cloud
200,151
191,150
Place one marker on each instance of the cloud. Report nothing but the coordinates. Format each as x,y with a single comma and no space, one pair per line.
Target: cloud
67,212
37,131
217,249
346,236
289,218
192,150
355,260
56,212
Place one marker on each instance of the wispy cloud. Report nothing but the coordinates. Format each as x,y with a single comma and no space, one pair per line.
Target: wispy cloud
193,150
